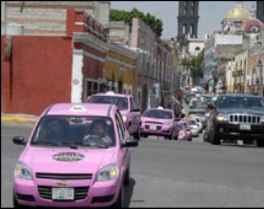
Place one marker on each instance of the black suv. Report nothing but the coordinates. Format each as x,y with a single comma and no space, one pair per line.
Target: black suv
236,116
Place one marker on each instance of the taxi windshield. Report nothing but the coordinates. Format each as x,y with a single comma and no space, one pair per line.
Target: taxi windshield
121,102
74,132
161,114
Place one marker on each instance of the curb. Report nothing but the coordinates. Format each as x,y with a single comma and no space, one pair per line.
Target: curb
17,118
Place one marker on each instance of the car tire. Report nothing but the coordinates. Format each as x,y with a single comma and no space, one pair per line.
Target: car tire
127,177
260,143
205,137
120,200
214,139
137,135
15,203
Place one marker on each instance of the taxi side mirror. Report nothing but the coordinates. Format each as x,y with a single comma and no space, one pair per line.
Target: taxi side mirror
130,143
19,140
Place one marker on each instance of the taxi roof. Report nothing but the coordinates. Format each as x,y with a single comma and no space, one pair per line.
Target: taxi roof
89,109
111,94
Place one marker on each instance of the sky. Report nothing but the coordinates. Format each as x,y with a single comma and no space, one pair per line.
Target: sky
211,13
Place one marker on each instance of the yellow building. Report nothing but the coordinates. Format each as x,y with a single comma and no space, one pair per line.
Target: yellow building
240,73
120,69
229,76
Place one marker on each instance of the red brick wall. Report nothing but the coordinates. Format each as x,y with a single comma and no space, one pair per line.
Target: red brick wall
40,74
5,78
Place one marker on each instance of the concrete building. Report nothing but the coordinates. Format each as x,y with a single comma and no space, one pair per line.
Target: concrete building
120,69
119,33
195,46
48,18
59,68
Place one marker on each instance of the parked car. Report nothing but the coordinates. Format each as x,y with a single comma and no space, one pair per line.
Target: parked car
131,114
159,122
184,131
76,156
200,113
198,121
194,127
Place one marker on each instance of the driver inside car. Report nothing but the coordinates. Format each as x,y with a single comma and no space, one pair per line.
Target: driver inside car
98,130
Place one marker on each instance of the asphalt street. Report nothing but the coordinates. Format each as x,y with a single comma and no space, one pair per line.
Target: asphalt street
168,173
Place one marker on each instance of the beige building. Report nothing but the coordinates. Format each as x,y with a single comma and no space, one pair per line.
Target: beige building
241,71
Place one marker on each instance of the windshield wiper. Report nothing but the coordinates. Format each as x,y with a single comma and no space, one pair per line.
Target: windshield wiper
46,142
103,146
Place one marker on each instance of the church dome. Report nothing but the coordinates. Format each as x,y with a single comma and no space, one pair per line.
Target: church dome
252,26
238,13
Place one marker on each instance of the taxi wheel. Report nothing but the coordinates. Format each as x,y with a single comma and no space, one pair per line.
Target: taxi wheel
260,143
127,177
15,203
120,200
213,138
137,135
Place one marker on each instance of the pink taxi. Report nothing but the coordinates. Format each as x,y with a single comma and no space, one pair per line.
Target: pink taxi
159,122
126,105
185,133
77,155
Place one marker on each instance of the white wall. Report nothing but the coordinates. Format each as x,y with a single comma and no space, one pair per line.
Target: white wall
77,77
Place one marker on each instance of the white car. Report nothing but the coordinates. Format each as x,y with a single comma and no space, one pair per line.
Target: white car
194,127
200,124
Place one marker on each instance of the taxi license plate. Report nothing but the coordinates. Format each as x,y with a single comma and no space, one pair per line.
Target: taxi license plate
153,127
245,127
62,193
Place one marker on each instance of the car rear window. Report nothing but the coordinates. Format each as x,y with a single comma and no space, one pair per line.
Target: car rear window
158,114
121,102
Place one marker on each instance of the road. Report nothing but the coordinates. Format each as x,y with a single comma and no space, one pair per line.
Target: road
168,173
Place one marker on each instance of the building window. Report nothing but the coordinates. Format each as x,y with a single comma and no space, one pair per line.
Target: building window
184,29
191,30
185,11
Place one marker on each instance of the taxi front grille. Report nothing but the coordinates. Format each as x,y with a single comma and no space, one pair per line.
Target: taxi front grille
64,176
80,193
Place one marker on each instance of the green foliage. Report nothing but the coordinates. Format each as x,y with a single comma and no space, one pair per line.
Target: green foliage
195,64
120,15
165,44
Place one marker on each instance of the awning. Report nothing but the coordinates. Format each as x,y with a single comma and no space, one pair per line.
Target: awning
214,64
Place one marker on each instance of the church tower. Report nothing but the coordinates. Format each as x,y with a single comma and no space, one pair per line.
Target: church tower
188,17
260,11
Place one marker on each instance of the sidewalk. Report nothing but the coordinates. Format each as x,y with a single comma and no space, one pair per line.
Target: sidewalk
19,117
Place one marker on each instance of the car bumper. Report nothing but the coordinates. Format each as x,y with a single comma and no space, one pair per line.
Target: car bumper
100,194
161,131
234,132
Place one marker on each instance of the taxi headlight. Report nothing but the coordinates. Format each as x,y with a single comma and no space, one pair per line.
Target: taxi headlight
124,118
221,117
22,171
108,172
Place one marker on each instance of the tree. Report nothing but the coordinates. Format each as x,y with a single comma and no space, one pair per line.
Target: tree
120,15
195,64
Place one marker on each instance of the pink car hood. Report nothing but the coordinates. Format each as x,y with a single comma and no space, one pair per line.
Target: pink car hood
42,160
